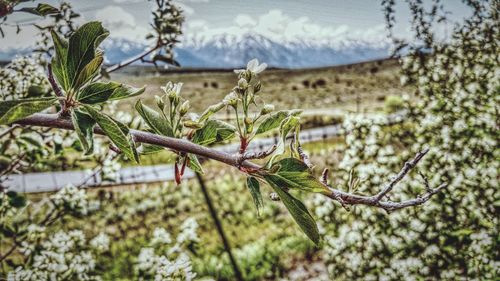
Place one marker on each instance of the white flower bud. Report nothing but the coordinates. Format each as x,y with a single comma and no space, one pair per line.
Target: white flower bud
268,108
242,83
159,102
231,99
184,108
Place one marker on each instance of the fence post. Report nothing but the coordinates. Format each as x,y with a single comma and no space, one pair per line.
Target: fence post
218,225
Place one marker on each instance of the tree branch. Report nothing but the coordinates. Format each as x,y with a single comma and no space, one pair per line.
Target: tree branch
55,87
346,198
406,169
9,130
131,60
235,160
55,121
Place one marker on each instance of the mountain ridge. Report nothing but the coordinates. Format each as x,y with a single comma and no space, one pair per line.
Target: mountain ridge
229,51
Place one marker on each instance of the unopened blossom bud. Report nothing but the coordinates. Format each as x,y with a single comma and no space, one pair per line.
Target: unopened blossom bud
192,124
249,124
257,87
246,74
248,121
192,121
167,88
159,102
242,83
184,108
268,108
172,96
231,99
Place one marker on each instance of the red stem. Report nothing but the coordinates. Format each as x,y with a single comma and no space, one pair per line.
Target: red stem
243,145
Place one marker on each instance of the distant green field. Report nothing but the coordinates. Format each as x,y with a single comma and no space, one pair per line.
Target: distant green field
359,87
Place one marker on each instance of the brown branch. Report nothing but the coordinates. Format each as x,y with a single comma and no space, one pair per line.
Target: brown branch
346,198
55,87
235,160
9,252
406,169
56,121
257,154
138,57
304,157
9,130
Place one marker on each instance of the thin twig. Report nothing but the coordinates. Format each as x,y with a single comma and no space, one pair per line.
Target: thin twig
138,57
304,157
376,200
55,87
257,154
406,168
9,130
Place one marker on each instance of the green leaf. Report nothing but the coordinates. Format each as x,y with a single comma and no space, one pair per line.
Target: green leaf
194,164
155,120
34,140
211,110
35,91
296,208
7,231
254,187
99,92
88,72
272,121
151,149
59,61
116,132
287,125
82,48
41,10
126,91
13,110
84,127
214,131
293,173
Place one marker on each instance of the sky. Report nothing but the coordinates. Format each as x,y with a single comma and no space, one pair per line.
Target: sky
281,20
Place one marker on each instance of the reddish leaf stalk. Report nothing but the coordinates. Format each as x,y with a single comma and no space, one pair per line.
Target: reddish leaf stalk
243,145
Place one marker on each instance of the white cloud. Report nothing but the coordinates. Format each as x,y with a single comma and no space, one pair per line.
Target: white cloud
281,27
120,23
185,8
188,10
115,17
28,35
244,20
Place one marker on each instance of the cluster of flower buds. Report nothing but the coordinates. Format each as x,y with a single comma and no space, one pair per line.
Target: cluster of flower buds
173,92
247,83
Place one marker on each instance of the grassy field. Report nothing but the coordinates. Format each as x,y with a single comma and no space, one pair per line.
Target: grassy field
359,87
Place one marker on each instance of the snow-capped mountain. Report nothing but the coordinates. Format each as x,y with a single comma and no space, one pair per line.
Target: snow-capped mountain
234,51
229,51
